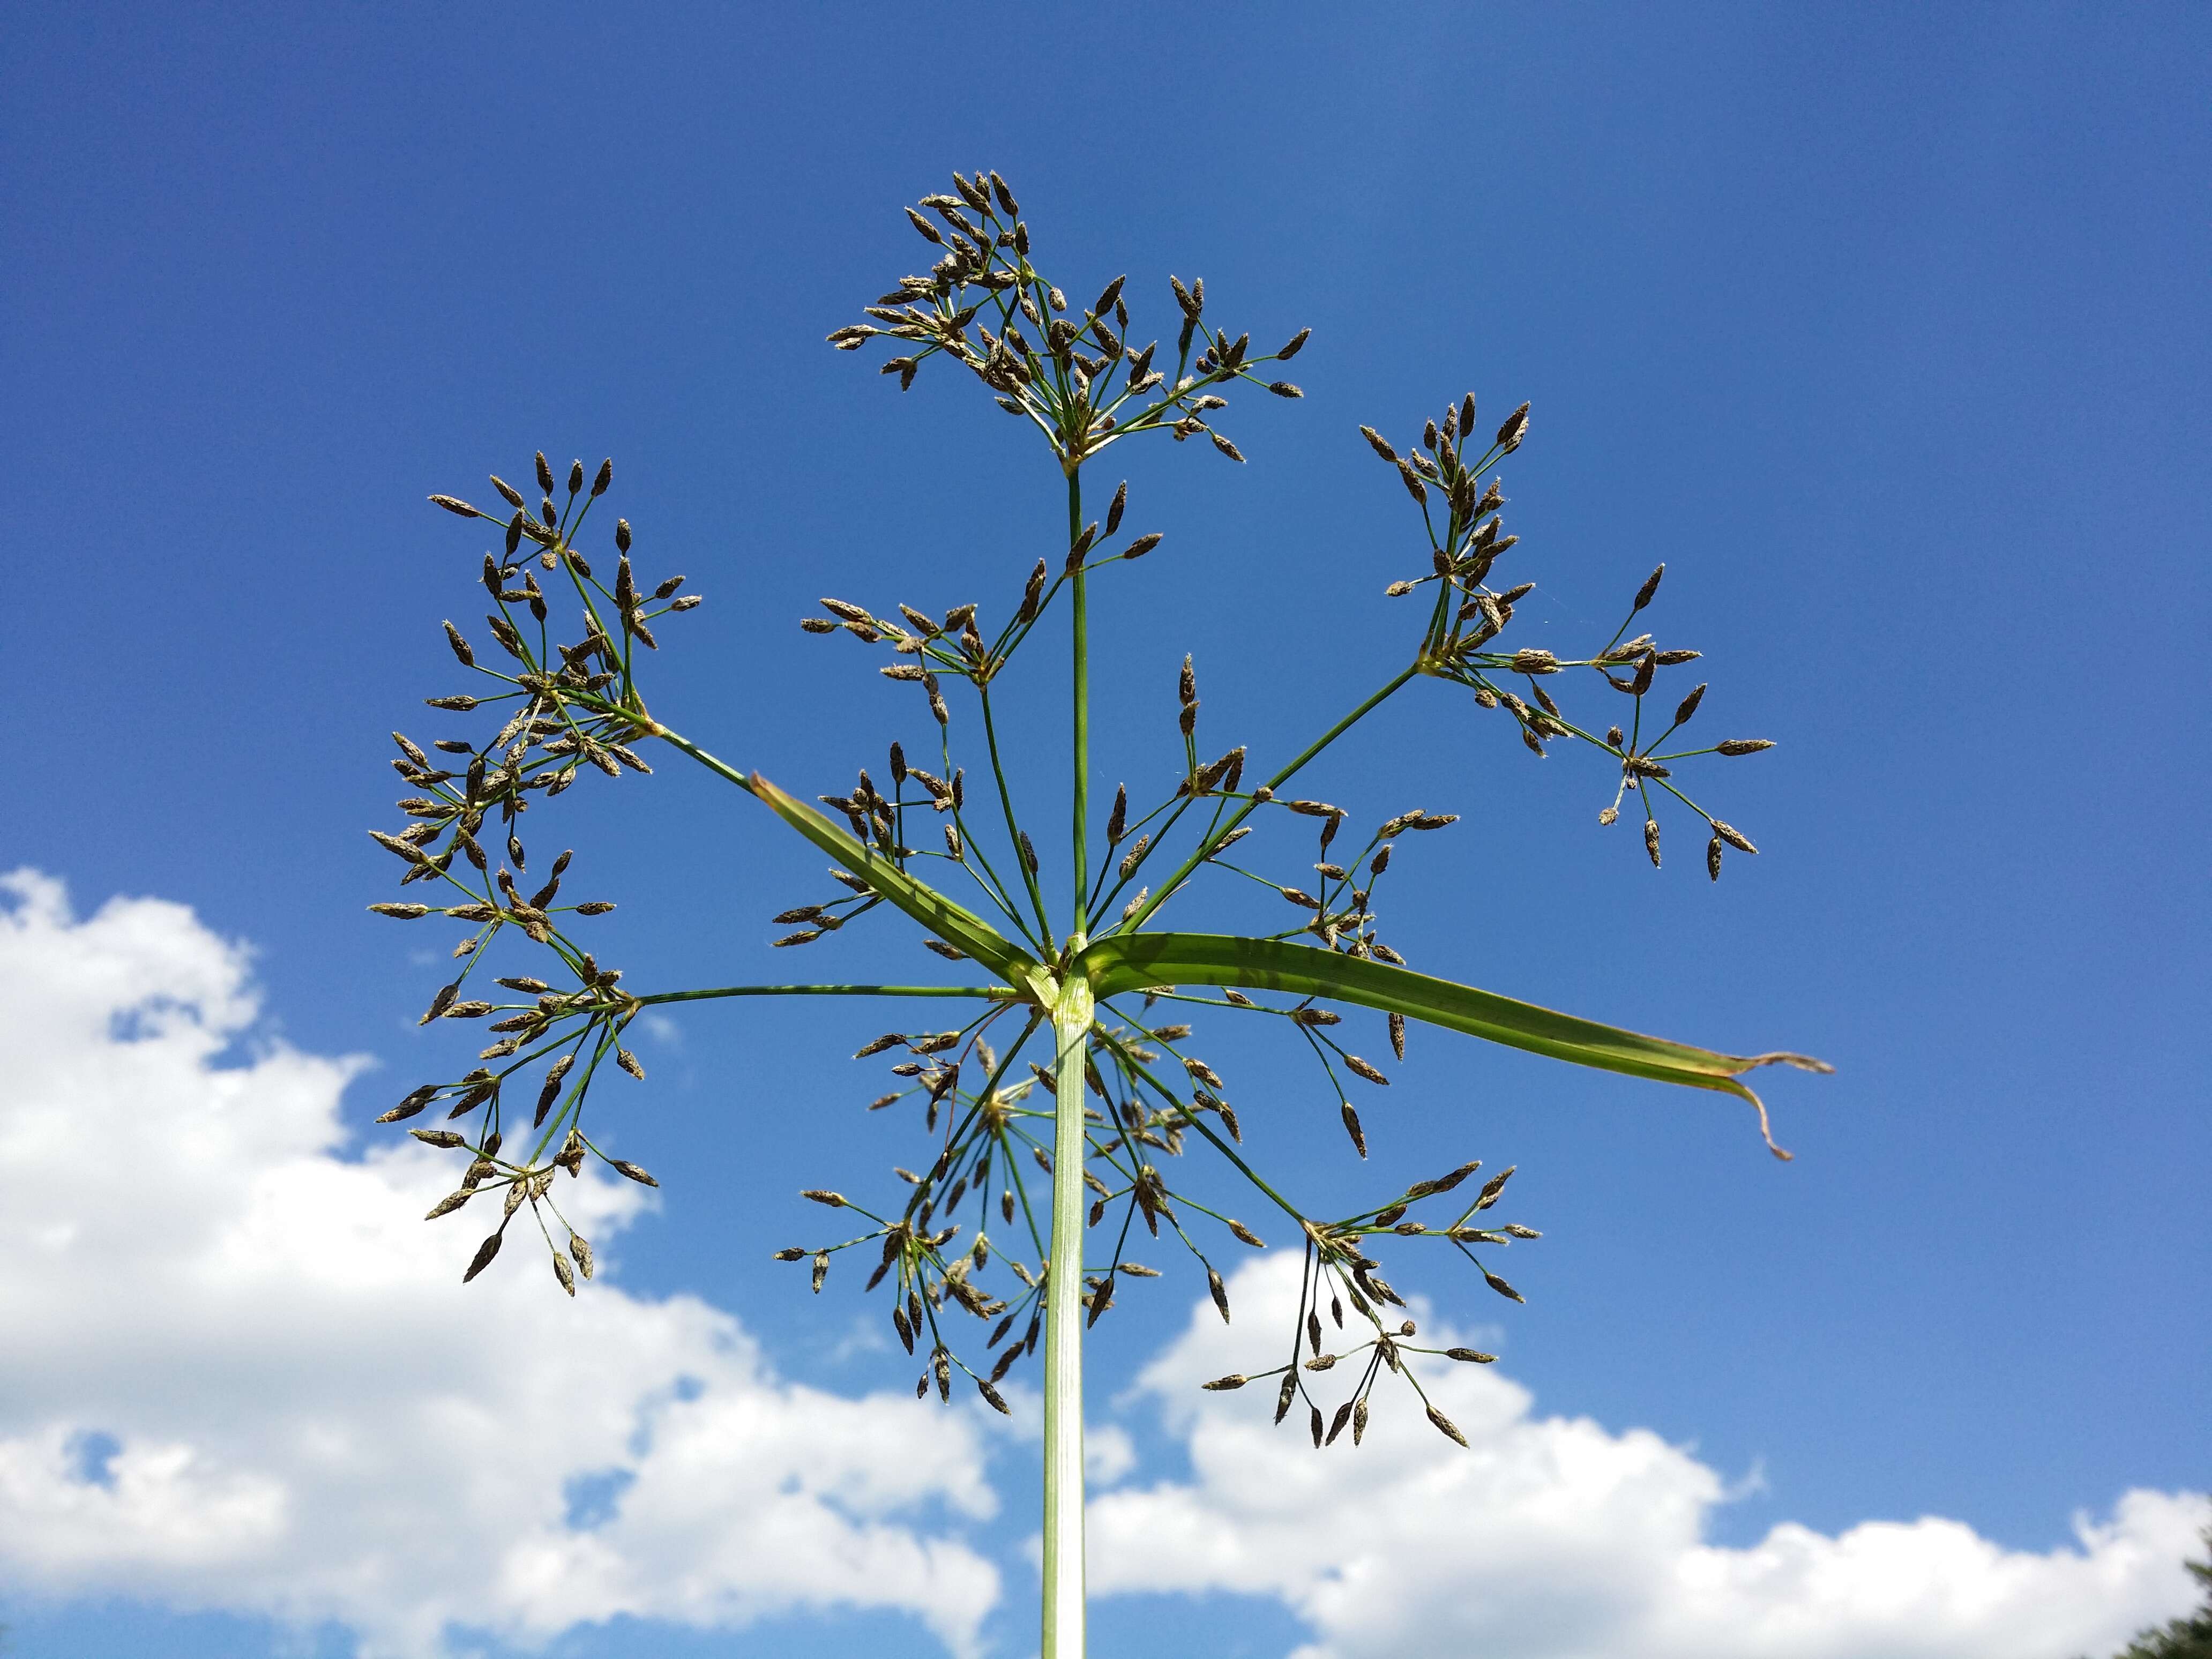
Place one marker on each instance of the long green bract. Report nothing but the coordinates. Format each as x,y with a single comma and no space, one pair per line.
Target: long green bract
956,926
1128,962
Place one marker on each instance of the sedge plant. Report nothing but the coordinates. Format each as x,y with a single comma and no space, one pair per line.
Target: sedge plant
1063,1106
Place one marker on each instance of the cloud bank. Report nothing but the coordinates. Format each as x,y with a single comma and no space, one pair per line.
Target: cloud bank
240,1373
1558,1539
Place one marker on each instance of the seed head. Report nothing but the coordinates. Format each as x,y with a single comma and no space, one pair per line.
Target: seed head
1444,1425
1514,430
485,1252
1733,836
1360,1067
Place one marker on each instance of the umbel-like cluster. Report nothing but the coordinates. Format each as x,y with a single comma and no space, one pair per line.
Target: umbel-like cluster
1080,382
566,707
929,842
1467,615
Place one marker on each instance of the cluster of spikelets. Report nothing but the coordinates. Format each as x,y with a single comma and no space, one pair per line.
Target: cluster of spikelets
1076,377
567,706
1080,381
1469,615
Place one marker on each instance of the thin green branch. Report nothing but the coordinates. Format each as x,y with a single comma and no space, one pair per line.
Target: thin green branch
1206,846
1001,991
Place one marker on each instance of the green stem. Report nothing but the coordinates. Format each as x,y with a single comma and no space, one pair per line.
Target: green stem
1082,736
1063,1332
1206,847
1013,825
720,769
1006,992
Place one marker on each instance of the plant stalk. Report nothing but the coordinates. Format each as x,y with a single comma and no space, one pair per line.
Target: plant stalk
1082,734
999,992
1063,1636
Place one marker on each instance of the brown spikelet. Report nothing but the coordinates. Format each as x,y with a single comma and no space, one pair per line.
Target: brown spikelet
1445,1426
1732,836
485,1252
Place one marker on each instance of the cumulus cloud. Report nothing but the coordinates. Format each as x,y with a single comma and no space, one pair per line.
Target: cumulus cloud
1559,1539
240,1373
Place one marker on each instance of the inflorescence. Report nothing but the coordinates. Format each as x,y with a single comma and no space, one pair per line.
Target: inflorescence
986,1107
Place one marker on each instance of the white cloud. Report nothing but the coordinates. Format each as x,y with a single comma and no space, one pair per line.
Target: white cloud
240,1373
1558,1539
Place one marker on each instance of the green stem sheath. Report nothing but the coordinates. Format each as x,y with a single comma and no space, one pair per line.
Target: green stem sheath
1063,1635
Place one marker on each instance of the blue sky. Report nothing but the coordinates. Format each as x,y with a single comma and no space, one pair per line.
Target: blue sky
1875,324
